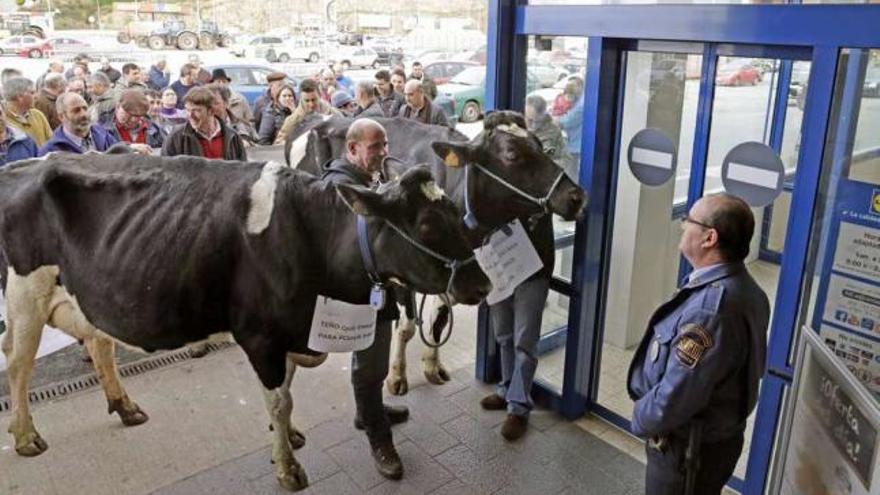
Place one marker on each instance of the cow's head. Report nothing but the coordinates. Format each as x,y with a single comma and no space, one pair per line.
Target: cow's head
417,236
515,156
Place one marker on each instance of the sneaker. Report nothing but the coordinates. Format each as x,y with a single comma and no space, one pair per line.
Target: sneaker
396,415
387,461
493,402
514,427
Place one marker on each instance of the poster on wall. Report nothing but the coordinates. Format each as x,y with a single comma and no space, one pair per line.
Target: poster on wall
848,303
828,412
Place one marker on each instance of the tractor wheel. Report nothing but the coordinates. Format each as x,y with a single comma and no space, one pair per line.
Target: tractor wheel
206,41
187,41
156,42
226,41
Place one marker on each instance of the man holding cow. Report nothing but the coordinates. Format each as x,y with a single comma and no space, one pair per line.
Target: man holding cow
366,149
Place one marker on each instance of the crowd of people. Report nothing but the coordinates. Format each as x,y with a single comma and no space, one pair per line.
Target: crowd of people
72,108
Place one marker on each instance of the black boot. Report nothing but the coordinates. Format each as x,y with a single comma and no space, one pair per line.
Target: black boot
387,461
395,415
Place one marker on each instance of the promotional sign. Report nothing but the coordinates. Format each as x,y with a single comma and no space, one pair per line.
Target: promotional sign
508,259
828,412
847,310
338,326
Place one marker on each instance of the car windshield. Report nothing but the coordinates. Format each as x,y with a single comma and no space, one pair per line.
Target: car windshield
472,76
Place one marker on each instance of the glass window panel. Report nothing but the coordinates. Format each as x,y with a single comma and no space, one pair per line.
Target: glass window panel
839,303
555,71
644,253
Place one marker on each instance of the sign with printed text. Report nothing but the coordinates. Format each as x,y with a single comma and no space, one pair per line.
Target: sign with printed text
338,326
508,259
848,299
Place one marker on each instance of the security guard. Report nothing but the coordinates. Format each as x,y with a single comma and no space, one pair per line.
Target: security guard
695,375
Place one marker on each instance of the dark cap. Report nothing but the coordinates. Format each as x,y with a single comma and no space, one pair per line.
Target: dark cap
217,74
276,76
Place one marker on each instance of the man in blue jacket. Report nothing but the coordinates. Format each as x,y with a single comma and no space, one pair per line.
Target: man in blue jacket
14,143
695,376
158,77
76,134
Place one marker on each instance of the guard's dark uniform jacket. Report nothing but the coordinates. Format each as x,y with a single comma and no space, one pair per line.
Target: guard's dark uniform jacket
702,357
341,171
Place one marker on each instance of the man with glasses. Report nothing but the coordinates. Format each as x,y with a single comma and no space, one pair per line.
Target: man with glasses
694,377
131,124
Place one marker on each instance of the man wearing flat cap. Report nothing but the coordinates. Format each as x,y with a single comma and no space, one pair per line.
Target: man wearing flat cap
275,80
131,124
238,105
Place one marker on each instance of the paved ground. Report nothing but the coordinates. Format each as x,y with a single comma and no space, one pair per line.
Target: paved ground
208,435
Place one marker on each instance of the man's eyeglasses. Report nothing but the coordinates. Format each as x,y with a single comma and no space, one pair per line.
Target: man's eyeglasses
687,219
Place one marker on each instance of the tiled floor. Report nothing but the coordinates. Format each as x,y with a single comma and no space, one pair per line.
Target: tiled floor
449,446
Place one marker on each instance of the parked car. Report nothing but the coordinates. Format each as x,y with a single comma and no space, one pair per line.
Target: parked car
25,46
871,86
737,74
259,47
248,79
350,39
800,75
305,49
441,72
468,90
357,57
386,51
67,46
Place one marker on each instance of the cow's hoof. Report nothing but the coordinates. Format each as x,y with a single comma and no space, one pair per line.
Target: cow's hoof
295,480
198,350
129,412
397,385
438,375
30,444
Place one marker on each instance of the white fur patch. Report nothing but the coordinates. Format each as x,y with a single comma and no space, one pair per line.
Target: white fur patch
432,191
263,198
298,149
514,130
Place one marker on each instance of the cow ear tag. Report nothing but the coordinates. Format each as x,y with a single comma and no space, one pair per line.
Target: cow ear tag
451,159
377,297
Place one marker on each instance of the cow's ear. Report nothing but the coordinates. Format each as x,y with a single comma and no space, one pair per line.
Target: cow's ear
361,200
453,154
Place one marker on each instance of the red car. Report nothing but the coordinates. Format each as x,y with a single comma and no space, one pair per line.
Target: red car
737,75
24,46
441,72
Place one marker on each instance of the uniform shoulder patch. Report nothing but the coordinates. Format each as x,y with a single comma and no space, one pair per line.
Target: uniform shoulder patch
693,343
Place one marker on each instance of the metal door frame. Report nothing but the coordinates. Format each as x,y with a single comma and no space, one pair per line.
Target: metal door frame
610,28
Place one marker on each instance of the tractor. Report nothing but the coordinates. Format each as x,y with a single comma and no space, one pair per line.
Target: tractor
210,36
173,33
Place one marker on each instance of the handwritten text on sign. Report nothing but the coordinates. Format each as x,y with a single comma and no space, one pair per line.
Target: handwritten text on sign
508,259
338,326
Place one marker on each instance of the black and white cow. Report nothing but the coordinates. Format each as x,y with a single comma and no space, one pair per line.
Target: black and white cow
504,149
160,252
